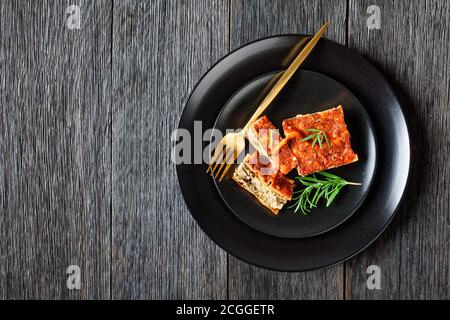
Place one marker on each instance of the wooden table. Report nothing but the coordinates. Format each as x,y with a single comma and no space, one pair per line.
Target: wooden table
85,178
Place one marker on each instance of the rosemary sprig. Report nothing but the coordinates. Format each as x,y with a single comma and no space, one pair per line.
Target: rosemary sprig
317,136
315,189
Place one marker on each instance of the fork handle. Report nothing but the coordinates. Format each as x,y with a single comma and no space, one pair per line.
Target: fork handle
279,85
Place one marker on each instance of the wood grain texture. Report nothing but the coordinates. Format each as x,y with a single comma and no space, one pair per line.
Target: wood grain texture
54,149
251,20
160,50
86,179
412,49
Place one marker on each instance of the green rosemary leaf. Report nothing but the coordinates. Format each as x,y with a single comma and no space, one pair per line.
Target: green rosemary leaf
309,179
315,140
306,183
316,195
327,141
327,191
308,137
314,130
321,194
329,175
315,189
317,137
333,195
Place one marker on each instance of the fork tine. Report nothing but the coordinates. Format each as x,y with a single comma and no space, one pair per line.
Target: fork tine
236,153
215,166
227,167
223,158
218,151
229,158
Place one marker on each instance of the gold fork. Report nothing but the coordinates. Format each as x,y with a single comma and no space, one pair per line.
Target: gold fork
232,145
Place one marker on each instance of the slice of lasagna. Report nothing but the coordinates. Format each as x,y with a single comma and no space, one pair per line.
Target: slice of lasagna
272,190
320,141
266,139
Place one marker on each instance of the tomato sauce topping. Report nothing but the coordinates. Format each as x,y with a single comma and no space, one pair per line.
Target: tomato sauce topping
337,152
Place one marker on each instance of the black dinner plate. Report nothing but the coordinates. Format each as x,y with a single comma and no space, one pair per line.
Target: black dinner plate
330,62
306,92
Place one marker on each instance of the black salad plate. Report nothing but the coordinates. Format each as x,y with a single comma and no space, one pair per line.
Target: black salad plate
306,92
332,75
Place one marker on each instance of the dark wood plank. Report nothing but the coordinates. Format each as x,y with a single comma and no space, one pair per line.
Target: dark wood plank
251,20
160,50
412,48
54,149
